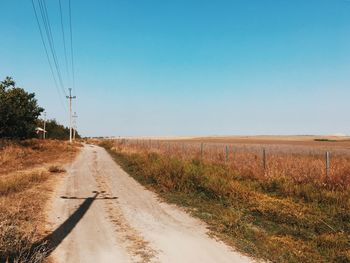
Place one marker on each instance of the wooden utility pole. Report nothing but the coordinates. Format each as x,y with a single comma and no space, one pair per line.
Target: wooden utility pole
70,97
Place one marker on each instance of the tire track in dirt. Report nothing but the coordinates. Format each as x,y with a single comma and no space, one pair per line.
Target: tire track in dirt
101,214
134,243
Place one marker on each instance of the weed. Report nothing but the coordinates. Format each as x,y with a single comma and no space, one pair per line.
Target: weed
21,155
56,169
280,217
20,182
24,189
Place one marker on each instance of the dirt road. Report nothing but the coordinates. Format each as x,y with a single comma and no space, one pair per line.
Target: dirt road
100,214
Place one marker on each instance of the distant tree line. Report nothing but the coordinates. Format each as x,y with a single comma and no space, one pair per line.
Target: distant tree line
56,130
19,114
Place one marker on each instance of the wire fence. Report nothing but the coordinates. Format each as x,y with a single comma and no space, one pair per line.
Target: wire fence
300,162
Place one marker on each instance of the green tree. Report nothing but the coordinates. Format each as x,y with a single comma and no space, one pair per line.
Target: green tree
56,130
19,111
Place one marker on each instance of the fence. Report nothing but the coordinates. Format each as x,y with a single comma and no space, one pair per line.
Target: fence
302,163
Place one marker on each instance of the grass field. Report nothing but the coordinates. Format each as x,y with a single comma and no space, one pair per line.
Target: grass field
28,170
289,211
301,158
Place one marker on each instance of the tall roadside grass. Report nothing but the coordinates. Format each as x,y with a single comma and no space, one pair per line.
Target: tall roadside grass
276,217
20,182
21,219
21,155
26,181
302,163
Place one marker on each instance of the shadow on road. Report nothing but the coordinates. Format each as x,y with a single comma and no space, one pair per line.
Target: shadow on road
54,239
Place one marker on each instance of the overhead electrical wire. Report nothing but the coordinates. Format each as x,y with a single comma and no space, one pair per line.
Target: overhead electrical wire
64,40
43,21
47,27
47,55
71,45
56,72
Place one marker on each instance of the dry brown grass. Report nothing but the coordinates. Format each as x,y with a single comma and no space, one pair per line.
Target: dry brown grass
290,212
302,163
25,186
21,155
304,140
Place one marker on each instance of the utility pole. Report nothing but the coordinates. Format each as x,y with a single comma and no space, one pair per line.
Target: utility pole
70,97
75,116
44,133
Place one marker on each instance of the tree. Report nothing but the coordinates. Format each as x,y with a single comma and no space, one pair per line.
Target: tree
56,130
19,111
7,82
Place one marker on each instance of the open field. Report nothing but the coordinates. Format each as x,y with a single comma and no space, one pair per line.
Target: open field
343,141
300,158
271,138
286,207
28,172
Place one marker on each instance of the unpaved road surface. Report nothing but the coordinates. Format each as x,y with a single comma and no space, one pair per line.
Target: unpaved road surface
101,214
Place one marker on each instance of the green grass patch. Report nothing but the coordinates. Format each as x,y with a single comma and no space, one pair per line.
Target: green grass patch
324,140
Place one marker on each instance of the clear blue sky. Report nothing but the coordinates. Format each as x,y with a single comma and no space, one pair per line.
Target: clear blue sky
191,67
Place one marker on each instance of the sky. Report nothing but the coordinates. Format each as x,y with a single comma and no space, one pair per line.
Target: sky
188,67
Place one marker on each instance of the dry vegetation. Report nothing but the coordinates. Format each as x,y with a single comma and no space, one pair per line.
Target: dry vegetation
301,161
27,175
291,211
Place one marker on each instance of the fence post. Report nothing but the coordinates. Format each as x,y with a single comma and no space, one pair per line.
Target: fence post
226,153
327,163
202,151
264,158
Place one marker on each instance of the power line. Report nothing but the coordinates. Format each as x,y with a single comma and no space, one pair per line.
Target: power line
64,39
71,44
47,26
45,19
53,46
47,56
